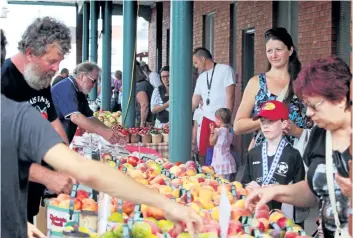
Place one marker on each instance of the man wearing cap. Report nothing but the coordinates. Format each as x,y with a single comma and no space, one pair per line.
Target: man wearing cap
275,161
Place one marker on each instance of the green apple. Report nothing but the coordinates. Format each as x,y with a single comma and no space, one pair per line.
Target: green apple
165,225
116,217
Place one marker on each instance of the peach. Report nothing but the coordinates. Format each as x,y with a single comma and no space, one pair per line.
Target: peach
215,213
175,169
190,172
89,204
136,174
64,204
208,170
206,192
206,204
239,204
191,164
164,189
54,202
275,216
291,234
262,214
236,213
159,179
62,197
128,207
234,227
168,165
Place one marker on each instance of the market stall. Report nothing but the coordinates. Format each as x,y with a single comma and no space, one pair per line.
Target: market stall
218,202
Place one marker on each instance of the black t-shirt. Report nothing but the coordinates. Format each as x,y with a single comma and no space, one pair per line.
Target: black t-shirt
144,86
26,138
314,157
15,87
290,168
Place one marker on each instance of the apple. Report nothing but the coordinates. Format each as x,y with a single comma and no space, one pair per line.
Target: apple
158,180
236,213
106,157
133,160
143,229
208,169
123,160
177,163
165,225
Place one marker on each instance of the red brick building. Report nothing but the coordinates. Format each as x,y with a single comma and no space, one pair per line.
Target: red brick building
234,33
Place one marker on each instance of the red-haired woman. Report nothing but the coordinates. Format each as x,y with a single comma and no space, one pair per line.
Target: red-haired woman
324,86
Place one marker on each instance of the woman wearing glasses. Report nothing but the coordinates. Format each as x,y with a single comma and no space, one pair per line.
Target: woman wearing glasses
160,99
275,84
325,88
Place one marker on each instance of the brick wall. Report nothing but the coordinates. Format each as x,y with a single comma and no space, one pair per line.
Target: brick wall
316,33
152,40
166,25
221,11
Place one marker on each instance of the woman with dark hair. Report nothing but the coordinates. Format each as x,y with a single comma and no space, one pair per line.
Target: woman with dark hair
275,84
325,88
160,99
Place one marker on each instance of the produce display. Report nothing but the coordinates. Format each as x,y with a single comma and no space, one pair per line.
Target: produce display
197,187
189,184
109,119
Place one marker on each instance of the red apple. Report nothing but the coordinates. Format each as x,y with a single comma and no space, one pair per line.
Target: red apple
291,234
262,214
133,160
77,204
81,194
107,156
123,160
177,163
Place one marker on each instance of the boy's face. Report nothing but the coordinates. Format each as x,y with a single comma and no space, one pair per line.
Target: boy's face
272,129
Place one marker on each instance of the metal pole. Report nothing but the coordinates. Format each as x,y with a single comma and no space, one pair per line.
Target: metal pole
85,32
94,9
129,42
107,56
181,83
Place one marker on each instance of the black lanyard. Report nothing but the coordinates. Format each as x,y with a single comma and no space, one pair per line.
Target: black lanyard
209,84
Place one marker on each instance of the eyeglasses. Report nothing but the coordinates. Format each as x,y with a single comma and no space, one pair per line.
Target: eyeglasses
314,106
165,77
93,80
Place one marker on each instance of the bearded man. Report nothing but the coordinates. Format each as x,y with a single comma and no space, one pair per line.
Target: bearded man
26,77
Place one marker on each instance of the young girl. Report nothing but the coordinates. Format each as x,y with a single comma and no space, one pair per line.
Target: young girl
221,138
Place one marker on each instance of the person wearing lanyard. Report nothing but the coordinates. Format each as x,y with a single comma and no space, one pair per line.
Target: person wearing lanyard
215,87
69,97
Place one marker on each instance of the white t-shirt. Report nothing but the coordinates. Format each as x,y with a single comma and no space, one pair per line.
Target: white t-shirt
154,79
156,100
222,78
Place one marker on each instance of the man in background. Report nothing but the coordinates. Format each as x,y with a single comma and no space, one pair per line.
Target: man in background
70,100
63,75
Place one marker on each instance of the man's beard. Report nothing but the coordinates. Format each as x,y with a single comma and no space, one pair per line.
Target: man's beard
35,78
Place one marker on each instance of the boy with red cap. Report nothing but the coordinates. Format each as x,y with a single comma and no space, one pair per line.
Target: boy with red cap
276,161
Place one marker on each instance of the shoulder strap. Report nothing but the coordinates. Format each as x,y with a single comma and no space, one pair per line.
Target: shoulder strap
283,94
329,177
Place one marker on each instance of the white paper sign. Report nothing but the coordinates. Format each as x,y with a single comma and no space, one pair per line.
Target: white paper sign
224,213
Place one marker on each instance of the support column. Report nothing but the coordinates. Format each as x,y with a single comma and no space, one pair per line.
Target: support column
129,81
181,83
79,26
85,32
94,10
107,55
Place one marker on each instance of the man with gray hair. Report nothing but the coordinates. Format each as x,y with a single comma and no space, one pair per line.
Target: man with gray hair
26,77
70,100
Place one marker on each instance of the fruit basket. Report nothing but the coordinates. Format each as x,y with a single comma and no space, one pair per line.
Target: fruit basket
134,135
165,133
145,135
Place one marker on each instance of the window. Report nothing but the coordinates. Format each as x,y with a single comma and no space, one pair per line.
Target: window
208,32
